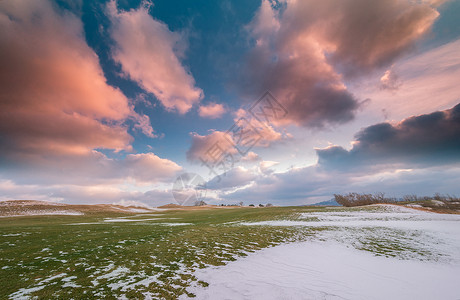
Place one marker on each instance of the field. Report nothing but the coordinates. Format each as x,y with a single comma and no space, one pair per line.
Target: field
167,254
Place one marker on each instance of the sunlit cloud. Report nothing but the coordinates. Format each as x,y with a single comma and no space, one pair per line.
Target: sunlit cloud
149,53
212,110
305,50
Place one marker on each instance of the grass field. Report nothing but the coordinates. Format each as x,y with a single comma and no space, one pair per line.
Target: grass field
113,254
155,255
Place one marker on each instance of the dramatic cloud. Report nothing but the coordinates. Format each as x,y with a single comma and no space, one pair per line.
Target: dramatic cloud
149,54
312,184
54,96
303,49
425,140
56,107
212,110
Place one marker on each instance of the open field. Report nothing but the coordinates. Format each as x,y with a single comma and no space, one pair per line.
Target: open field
168,254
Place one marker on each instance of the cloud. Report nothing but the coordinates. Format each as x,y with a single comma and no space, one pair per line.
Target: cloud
237,142
91,168
211,111
312,184
265,166
55,99
239,176
208,146
368,34
149,54
390,80
264,132
304,50
223,150
293,187
419,79
95,194
148,167
251,157
56,107
143,124
418,141
234,178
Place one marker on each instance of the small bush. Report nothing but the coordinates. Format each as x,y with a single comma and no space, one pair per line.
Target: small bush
437,196
356,199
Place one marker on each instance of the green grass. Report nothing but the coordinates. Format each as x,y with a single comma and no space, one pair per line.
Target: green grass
36,248
63,261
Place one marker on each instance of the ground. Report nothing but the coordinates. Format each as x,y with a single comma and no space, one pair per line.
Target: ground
112,254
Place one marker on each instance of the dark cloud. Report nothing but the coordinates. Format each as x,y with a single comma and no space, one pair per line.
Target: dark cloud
373,33
303,50
425,140
313,184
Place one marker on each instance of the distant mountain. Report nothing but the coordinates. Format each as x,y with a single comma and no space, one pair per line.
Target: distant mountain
331,202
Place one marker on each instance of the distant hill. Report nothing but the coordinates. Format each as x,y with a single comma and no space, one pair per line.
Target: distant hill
331,202
13,208
177,206
171,205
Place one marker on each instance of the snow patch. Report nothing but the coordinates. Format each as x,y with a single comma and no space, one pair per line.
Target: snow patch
326,270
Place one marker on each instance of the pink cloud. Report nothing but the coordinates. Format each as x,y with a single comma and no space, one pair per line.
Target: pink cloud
245,133
55,98
56,106
201,144
92,168
211,111
419,80
148,168
305,51
148,53
143,124
95,194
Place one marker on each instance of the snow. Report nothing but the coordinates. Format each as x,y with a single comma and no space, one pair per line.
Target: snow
130,220
437,203
114,273
140,210
24,293
422,259
45,213
175,224
28,203
414,205
326,270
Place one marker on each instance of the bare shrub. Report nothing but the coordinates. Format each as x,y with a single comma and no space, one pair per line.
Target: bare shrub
356,199
411,198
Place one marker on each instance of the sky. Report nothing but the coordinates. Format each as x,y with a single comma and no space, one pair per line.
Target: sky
285,102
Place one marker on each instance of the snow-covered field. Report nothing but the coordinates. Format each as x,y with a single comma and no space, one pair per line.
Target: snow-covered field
385,252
